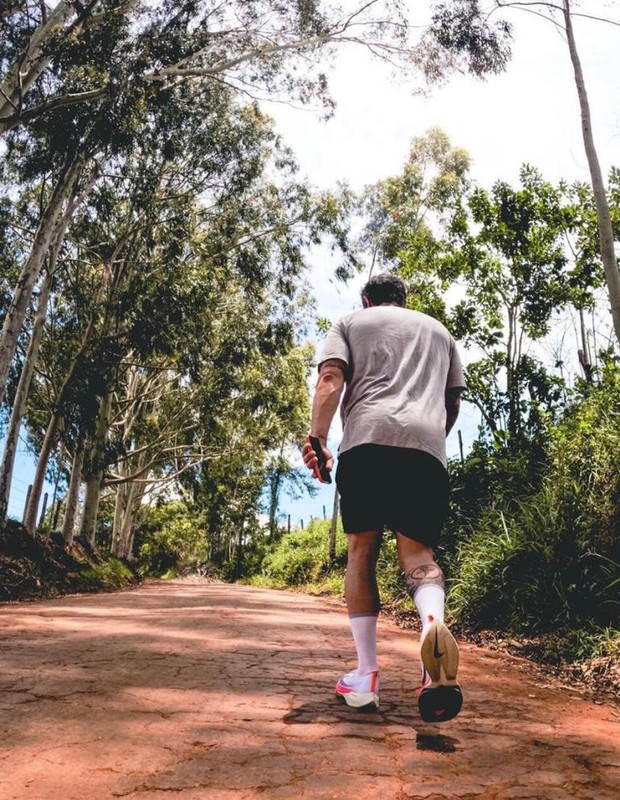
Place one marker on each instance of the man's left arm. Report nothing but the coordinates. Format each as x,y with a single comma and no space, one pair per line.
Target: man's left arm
453,406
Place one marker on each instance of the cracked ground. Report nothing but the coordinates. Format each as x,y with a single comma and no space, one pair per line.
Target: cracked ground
225,693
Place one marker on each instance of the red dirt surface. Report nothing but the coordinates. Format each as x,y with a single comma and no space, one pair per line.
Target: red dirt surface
225,693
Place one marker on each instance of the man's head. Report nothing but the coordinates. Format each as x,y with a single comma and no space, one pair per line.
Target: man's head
384,289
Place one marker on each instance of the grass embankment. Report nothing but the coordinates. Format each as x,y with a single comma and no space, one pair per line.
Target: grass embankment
35,567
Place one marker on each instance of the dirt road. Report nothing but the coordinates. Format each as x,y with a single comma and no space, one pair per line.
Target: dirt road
224,693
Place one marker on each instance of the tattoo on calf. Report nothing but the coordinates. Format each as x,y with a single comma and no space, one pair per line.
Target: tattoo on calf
424,575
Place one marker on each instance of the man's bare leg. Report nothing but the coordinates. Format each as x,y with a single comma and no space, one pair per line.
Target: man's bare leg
362,596
360,583
360,688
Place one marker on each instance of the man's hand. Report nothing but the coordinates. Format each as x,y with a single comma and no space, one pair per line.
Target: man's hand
311,461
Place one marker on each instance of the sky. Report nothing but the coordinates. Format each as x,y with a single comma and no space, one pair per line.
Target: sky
529,114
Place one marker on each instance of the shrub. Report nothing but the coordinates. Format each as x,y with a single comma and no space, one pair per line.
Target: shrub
111,574
170,540
302,557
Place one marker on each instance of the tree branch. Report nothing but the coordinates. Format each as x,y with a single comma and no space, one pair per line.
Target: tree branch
523,4
11,121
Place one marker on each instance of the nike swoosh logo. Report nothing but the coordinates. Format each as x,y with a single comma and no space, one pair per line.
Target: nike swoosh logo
436,652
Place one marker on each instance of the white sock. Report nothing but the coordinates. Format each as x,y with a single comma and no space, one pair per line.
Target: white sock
364,630
429,601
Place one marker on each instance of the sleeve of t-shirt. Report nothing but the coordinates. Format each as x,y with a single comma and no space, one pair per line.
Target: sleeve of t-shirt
336,345
456,378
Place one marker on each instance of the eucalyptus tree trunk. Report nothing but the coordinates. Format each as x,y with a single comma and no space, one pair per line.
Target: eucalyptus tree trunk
119,509
127,491
56,418
608,255
25,379
513,358
20,302
95,481
21,395
68,522
30,517
132,515
134,496
583,352
128,554
130,499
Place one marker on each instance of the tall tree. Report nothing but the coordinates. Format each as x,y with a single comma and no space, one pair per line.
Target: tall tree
514,258
30,360
405,215
608,253
499,266
167,247
463,27
292,411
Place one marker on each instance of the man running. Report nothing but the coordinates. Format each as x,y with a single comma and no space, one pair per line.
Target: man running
403,380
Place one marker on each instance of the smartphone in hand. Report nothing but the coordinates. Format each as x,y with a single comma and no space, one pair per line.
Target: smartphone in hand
320,469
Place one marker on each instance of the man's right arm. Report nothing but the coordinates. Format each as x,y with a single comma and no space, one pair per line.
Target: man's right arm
327,397
453,406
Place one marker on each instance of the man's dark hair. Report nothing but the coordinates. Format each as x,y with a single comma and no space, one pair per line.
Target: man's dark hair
385,288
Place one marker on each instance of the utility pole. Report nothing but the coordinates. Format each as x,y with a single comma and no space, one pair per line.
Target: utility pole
28,493
333,528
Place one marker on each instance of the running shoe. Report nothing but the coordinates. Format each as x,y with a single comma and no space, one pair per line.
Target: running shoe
440,697
359,691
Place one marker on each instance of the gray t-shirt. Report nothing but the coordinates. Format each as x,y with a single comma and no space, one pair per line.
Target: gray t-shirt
399,365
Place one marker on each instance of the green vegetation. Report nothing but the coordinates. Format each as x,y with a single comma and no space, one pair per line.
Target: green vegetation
548,559
169,541
302,559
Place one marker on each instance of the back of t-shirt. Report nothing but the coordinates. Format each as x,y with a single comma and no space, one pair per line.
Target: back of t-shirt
400,363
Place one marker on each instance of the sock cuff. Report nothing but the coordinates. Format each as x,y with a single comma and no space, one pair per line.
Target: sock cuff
358,615
429,587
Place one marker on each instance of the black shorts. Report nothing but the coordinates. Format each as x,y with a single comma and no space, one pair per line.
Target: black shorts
395,487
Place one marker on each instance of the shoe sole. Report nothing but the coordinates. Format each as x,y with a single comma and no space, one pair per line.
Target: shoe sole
442,699
440,703
362,701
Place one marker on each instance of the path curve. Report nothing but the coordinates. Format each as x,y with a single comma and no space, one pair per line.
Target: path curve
223,692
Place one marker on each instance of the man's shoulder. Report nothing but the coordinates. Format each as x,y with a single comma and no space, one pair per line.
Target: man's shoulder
431,322
345,321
